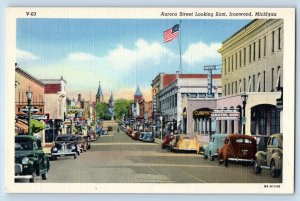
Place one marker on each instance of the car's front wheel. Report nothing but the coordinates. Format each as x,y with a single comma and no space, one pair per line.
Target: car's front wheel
257,169
75,155
211,157
45,176
275,173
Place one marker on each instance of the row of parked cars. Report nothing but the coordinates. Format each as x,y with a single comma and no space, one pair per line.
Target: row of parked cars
31,161
138,135
233,147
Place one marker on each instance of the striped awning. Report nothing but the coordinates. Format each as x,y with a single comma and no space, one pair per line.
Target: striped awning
21,127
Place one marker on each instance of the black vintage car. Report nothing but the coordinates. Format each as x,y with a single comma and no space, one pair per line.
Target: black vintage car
65,145
30,159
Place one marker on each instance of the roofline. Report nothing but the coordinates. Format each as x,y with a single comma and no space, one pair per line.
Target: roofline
29,76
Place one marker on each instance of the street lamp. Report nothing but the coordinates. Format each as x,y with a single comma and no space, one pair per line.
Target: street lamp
244,97
29,96
161,129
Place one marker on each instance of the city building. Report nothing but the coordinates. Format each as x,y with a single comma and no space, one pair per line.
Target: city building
176,86
252,71
23,83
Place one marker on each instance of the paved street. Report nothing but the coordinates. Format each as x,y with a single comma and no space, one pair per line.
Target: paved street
116,158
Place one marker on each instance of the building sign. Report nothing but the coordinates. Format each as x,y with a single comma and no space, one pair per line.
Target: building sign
210,68
154,92
220,115
36,109
201,114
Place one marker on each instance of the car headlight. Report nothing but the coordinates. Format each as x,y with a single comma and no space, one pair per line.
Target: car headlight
73,147
25,160
54,149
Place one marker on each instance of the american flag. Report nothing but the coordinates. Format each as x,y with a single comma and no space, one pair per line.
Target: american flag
172,33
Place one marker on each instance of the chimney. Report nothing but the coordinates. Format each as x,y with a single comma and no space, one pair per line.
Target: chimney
79,97
177,75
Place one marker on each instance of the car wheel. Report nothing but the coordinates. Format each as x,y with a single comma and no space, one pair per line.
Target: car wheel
275,173
257,169
88,147
33,179
205,156
75,156
226,163
45,176
163,146
211,157
54,158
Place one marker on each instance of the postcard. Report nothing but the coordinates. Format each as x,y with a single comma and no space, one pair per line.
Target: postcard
150,100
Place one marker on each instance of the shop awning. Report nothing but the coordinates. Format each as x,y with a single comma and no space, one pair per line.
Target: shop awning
21,127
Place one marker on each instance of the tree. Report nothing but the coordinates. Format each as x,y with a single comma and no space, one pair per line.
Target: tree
121,107
101,111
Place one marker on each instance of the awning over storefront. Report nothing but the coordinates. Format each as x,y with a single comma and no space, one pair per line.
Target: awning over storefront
21,127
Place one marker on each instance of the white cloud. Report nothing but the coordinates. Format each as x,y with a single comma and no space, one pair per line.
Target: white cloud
80,56
125,58
200,52
24,55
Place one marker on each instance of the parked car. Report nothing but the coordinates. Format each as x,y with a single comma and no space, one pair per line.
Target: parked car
135,135
211,150
238,147
185,143
147,137
83,143
65,145
30,159
271,158
166,141
109,128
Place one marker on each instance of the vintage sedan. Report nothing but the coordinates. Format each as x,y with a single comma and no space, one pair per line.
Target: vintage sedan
184,142
65,145
135,135
211,150
271,158
238,147
30,159
147,137
166,141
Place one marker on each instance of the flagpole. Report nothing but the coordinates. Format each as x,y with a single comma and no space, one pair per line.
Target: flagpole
179,42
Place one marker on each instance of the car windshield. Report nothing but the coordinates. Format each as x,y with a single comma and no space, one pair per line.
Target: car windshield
62,139
23,145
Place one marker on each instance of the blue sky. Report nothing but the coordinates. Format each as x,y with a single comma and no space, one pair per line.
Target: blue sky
121,53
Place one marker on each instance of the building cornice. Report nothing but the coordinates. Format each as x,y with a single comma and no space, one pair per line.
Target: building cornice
30,77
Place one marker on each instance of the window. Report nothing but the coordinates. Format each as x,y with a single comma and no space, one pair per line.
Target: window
254,51
258,82
240,58
275,121
278,77
253,81
273,45
236,60
244,56
249,83
265,46
250,54
228,88
275,142
259,48
240,87
175,100
225,89
235,86
232,63
279,38
264,81
272,80
232,88
225,66
244,84
228,64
